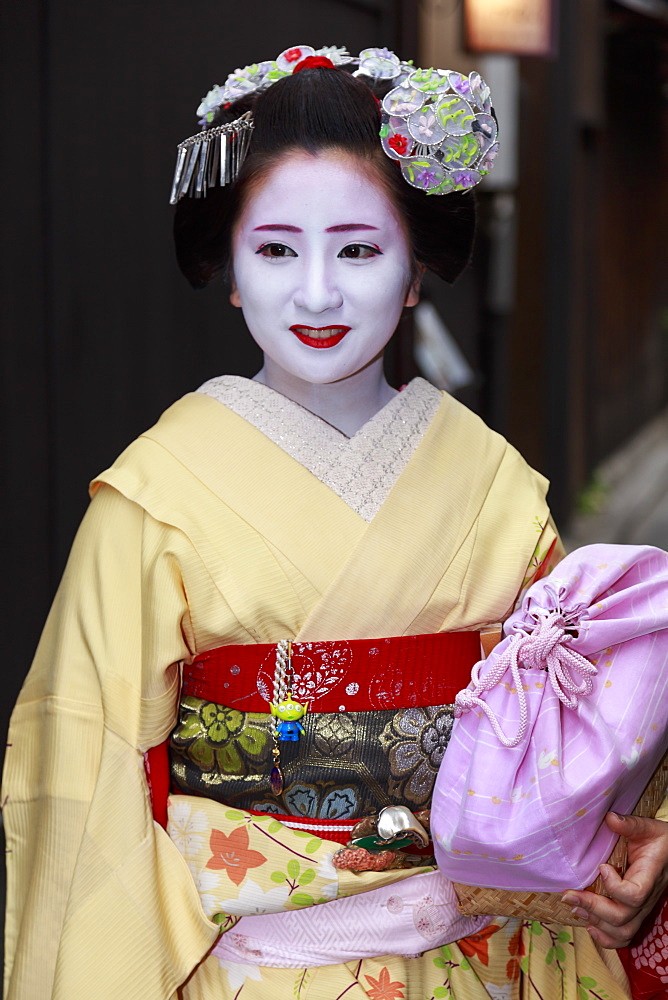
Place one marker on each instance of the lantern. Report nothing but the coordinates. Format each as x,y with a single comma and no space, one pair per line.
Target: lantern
518,27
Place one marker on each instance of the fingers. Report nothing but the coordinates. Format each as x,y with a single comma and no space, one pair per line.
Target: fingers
592,907
635,827
623,901
638,887
598,910
610,924
613,922
647,874
621,937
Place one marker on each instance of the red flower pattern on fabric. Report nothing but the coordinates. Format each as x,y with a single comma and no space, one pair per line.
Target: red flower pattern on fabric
478,944
233,854
384,989
399,143
293,55
516,950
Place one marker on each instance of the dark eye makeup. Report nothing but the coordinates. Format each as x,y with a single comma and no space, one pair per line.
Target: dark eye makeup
353,251
276,251
359,251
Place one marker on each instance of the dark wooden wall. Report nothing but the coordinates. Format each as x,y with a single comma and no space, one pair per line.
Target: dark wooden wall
99,330
589,344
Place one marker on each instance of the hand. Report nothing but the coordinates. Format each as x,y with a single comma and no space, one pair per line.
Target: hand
614,922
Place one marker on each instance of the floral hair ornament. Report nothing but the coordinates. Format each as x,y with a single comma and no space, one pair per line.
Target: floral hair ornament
438,124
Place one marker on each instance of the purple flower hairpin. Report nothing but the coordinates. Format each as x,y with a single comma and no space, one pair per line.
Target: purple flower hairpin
440,127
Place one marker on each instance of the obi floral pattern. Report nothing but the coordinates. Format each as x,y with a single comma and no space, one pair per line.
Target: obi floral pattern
219,739
346,765
415,742
314,801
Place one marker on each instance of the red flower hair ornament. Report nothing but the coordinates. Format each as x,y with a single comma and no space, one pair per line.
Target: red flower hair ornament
311,61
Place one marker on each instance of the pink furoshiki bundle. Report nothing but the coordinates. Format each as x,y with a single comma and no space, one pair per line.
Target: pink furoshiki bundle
566,719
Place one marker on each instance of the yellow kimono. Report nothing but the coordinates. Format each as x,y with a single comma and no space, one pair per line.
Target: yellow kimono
205,532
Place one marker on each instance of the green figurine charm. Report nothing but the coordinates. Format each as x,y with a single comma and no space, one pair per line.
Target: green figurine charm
289,712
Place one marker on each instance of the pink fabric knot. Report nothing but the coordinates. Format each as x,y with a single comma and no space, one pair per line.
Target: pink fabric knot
464,700
544,641
544,648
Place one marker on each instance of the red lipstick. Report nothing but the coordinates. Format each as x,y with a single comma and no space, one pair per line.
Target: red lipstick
322,336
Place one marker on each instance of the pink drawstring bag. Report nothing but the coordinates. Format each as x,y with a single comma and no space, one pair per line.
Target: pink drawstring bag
566,719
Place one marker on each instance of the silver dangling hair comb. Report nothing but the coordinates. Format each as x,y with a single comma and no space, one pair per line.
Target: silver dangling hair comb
211,157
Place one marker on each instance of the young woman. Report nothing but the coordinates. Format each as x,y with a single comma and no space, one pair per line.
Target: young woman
378,530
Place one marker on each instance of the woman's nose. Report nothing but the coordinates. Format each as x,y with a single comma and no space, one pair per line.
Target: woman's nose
318,289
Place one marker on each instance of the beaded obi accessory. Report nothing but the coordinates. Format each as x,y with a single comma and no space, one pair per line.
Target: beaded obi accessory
439,125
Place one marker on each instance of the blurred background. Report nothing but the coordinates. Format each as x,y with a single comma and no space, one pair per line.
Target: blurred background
557,335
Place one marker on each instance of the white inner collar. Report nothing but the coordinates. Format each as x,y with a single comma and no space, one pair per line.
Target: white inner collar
362,469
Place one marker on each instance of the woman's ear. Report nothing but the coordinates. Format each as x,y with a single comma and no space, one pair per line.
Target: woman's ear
235,298
413,293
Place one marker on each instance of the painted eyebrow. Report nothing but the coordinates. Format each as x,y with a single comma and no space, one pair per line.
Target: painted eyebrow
278,229
348,227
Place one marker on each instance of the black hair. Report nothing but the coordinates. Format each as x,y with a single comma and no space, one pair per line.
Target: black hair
314,110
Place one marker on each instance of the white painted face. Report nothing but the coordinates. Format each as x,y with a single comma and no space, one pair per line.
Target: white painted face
322,267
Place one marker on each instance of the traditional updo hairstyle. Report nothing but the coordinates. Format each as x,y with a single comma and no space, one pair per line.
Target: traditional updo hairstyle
318,109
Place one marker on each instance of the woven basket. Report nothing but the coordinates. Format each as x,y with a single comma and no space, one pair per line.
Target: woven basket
547,906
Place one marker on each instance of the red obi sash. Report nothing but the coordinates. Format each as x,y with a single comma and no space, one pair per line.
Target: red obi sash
352,676
355,676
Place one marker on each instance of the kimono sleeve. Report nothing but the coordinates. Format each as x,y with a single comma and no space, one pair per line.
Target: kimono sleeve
100,903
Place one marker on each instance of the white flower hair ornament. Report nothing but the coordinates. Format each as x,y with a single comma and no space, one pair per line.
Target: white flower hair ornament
439,125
